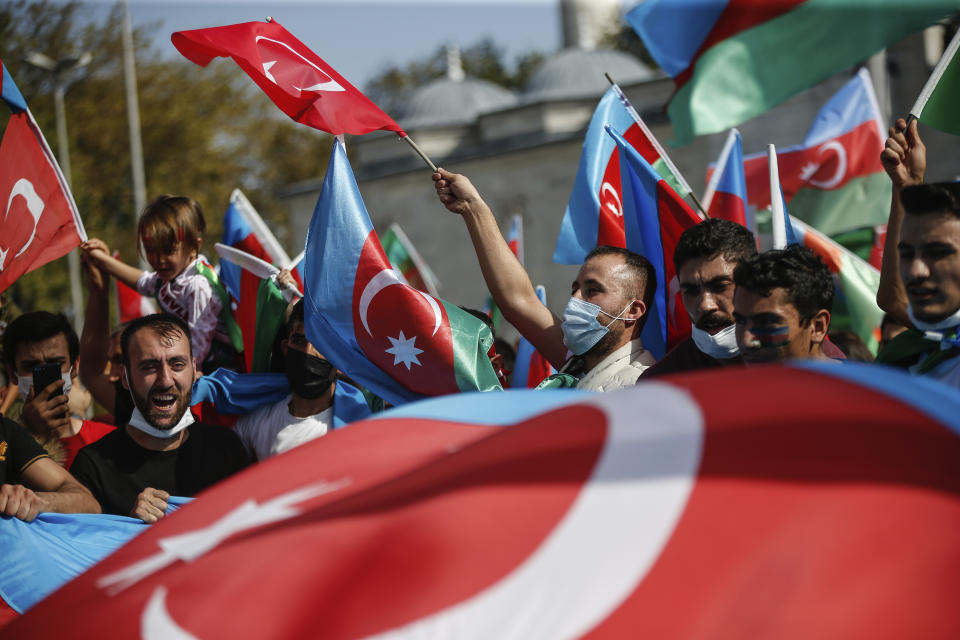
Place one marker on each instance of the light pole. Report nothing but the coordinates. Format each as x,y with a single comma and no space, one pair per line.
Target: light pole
59,69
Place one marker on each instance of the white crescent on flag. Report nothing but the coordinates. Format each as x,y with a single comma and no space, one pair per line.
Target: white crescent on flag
378,283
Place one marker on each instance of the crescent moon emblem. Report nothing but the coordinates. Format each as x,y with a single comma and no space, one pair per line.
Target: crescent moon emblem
381,281
24,188
615,209
841,166
639,516
157,623
329,85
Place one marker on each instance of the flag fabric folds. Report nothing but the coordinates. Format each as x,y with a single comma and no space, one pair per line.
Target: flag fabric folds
936,105
42,555
726,195
654,217
530,367
732,60
130,304
692,510
41,222
295,78
833,180
406,260
400,343
594,215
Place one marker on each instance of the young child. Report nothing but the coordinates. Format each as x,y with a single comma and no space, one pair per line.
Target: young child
169,235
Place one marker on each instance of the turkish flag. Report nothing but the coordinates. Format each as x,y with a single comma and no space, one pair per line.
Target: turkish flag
40,222
660,511
297,80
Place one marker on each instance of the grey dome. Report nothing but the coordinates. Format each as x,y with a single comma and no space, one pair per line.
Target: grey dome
447,102
578,73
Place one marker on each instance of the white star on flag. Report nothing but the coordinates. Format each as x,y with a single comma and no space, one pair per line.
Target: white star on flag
404,351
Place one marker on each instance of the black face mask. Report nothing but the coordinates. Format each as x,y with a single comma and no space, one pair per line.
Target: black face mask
309,376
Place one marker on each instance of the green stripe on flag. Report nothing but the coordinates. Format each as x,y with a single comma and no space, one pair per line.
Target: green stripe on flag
859,203
471,342
271,309
942,110
859,282
747,74
664,172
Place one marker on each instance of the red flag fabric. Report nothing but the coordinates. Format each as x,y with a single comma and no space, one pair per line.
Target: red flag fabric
297,80
40,220
660,511
130,304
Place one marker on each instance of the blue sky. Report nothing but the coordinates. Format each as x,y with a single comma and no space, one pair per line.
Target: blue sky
361,38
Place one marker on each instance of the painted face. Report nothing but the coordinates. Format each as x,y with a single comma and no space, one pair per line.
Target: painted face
929,251
160,376
706,286
768,327
169,265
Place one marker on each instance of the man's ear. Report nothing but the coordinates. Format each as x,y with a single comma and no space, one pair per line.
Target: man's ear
124,377
636,311
819,326
74,369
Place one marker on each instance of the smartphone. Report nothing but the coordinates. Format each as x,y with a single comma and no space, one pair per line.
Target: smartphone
44,375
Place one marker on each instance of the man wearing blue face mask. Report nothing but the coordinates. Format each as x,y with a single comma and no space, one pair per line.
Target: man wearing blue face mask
705,258
603,319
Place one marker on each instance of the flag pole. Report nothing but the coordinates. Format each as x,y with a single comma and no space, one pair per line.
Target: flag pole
721,164
656,143
917,110
778,216
419,151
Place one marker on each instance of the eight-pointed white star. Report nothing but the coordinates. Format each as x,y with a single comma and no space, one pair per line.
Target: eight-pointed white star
404,351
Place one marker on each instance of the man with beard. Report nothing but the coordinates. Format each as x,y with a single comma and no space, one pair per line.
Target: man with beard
317,403
782,306
161,451
606,312
705,258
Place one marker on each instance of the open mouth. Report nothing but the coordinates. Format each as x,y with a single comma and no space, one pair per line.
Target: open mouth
164,401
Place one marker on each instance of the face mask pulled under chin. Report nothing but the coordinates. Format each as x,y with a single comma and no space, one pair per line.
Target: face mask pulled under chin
721,345
949,322
25,383
309,376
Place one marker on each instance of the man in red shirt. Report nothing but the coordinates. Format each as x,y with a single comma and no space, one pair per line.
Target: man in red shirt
36,338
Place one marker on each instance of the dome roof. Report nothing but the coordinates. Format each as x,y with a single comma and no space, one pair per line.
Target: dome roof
448,101
578,73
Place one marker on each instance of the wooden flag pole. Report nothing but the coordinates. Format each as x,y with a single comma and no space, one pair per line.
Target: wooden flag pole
419,152
653,140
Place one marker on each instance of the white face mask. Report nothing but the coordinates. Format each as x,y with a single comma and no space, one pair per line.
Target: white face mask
947,323
137,421
721,345
25,383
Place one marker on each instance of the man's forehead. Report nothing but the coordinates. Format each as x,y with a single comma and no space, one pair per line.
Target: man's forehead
603,268
696,269
149,343
54,346
940,227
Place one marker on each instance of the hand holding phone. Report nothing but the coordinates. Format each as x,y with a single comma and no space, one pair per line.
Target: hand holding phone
46,412
44,375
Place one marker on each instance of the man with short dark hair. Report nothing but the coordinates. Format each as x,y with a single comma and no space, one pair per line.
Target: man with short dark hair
606,312
161,451
782,305
37,338
705,258
318,402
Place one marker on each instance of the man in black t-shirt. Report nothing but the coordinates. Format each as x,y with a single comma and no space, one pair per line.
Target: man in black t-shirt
161,451
32,482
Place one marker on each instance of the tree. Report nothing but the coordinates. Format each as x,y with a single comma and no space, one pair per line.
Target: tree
205,132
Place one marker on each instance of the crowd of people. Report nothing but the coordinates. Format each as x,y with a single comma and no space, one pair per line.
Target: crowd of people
745,308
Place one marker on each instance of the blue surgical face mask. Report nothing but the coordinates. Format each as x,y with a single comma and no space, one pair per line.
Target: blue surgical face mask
581,329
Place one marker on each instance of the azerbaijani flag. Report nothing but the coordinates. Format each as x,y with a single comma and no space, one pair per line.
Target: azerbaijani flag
531,367
655,216
401,343
406,260
938,102
833,180
732,60
594,215
726,194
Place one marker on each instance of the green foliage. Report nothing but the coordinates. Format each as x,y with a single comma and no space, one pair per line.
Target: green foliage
204,132
484,60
